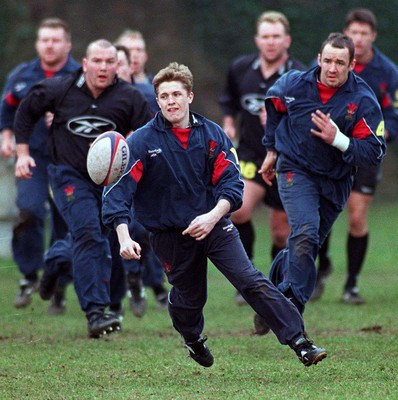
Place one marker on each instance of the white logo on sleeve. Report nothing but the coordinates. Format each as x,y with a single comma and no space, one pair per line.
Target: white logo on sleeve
289,99
154,153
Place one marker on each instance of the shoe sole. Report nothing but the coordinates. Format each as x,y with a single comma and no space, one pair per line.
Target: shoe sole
317,359
21,305
204,363
207,364
23,302
112,328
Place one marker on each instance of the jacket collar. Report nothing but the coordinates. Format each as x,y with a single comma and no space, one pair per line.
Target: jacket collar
162,123
312,76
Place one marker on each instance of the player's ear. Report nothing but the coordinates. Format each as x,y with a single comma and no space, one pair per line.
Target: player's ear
69,46
288,41
190,97
319,59
84,64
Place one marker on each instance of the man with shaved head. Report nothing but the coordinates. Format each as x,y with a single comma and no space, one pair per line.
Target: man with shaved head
86,103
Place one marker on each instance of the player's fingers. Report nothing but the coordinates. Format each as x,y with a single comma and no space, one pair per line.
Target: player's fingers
266,179
321,115
186,231
191,228
137,249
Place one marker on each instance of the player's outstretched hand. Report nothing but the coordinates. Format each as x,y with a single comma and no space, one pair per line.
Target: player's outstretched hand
201,226
130,250
267,170
7,149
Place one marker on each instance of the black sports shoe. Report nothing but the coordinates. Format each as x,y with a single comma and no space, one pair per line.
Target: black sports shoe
26,289
352,296
307,352
200,352
102,323
118,310
260,326
48,284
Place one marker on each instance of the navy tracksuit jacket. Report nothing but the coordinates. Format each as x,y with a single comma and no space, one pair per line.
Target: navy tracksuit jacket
169,186
314,178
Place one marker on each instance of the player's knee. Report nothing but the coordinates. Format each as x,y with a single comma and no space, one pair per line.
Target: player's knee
279,240
280,234
358,224
241,216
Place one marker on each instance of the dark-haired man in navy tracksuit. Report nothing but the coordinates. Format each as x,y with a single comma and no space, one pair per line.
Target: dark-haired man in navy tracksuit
381,74
322,123
185,181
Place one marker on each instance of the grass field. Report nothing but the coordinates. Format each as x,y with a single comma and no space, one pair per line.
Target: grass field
47,357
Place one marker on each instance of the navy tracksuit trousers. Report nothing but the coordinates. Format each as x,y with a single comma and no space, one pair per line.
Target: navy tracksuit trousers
79,201
58,261
185,262
312,204
28,232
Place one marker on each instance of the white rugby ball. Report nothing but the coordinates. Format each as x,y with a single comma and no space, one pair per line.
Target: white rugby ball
107,158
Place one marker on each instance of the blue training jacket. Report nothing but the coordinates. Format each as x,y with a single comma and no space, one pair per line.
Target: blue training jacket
172,185
381,74
19,81
290,132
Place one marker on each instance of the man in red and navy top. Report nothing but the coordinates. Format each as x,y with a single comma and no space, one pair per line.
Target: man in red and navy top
381,74
53,46
322,123
183,182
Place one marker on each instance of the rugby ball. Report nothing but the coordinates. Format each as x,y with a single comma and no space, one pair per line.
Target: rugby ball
107,158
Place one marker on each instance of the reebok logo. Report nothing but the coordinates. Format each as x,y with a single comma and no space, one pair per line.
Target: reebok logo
90,126
289,99
228,228
253,103
154,153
